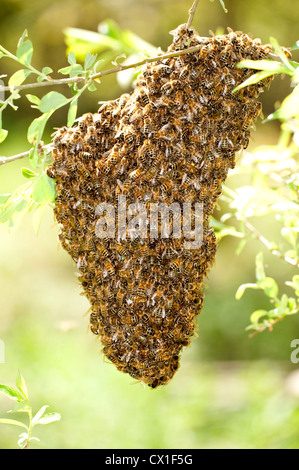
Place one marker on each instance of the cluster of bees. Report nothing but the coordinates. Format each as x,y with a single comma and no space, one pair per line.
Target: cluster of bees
173,139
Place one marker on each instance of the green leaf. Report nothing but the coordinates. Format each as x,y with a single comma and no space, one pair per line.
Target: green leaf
20,407
118,58
33,99
28,173
24,49
18,77
89,60
12,421
243,287
52,101
265,64
47,70
255,316
269,286
253,79
294,284
49,187
3,135
281,54
72,112
259,267
21,384
11,392
39,414
44,189
36,129
71,70
71,58
223,6
92,86
49,418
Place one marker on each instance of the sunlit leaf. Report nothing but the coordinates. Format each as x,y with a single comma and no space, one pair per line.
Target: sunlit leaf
11,392
255,316
33,99
49,418
24,49
243,287
52,101
269,286
18,77
89,60
72,112
28,173
13,422
3,135
21,384
259,267
39,414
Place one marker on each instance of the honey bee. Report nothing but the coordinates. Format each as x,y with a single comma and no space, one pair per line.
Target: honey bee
169,87
142,97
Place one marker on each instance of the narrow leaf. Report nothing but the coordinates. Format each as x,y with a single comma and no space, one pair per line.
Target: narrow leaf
259,267
13,422
243,287
24,49
72,112
39,414
21,384
11,392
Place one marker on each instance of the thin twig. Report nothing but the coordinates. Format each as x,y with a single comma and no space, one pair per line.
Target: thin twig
192,13
118,68
5,160
269,245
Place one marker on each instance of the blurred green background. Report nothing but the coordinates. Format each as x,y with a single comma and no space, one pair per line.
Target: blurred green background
231,391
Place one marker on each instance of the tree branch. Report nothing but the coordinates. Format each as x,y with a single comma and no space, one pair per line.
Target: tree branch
118,68
269,245
192,13
5,160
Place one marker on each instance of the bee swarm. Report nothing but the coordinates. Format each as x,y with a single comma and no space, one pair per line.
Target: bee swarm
172,140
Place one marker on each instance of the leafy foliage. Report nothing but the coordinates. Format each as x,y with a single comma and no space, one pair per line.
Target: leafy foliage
273,191
20,396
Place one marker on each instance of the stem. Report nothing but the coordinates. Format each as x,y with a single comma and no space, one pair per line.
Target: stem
192,13
269,245
5,160
30,426
119,68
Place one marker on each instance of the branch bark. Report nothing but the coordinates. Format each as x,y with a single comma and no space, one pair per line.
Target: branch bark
192,13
